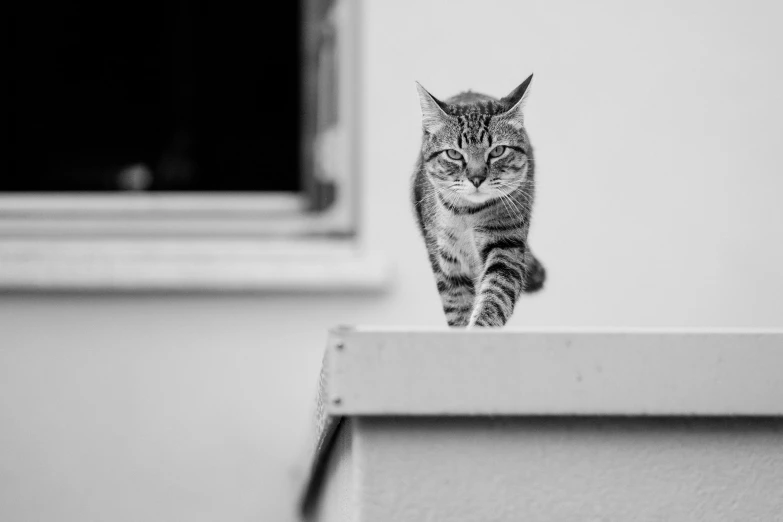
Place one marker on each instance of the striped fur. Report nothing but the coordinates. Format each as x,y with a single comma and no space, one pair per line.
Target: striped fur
473,202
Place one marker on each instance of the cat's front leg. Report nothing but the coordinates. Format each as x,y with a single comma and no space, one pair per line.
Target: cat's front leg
456,288
501,283
457,294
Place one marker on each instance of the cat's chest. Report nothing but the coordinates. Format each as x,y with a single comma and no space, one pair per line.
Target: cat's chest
461,239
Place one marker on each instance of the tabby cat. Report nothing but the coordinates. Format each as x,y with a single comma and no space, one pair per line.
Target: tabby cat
473,192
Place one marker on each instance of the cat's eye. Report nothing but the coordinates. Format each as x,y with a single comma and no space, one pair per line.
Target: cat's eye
497,151
453,154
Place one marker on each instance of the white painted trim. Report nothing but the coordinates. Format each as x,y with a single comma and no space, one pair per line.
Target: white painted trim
149,226
233,265
503,372
346,17
119,203
175,214
336,146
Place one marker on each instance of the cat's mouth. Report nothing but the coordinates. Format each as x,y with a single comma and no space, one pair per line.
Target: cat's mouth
477,195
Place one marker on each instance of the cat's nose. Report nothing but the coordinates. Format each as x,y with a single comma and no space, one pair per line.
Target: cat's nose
477,180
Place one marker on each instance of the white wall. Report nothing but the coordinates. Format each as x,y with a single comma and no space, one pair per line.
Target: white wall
617,469
656,133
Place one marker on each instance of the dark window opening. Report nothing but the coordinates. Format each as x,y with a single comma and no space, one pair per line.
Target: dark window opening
159,96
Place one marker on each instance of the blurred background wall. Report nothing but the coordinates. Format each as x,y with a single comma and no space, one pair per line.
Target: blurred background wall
657,128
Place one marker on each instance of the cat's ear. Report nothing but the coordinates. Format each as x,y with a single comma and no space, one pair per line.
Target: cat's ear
517,99
433,115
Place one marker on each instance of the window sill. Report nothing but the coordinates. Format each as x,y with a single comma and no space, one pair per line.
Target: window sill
189,265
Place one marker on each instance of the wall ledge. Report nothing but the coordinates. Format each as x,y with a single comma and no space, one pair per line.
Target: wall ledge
507,372
403,372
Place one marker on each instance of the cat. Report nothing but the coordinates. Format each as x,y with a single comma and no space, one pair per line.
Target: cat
472,192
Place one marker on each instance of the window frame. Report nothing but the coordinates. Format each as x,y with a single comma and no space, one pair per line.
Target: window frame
219,241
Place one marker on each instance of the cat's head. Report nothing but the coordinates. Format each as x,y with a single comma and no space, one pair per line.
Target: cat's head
475,147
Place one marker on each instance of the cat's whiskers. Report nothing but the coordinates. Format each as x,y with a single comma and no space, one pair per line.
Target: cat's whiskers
515,189
451,197
502,198
517,211
518,188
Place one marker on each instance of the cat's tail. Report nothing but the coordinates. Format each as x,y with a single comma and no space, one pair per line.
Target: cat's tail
535,275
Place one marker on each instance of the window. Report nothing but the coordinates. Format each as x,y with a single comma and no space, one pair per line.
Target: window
182,138
167,96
